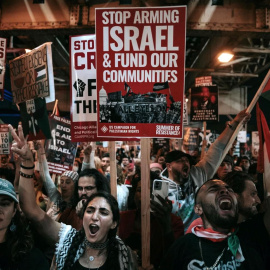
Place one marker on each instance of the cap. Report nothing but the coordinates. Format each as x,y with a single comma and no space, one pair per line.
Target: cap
155,165
6,188
71,174
175,155
229,159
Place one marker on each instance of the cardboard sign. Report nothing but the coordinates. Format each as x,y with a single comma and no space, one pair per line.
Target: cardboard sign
204,103
140,74
4,139
35,120
3,54
60,151
31,75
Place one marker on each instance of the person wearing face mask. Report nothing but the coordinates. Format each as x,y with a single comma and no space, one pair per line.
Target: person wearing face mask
77,165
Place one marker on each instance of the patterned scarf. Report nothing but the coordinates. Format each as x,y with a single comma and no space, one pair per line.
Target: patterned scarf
66,236
233,240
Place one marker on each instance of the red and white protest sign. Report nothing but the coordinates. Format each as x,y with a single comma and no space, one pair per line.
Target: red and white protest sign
83,93
3,53
140,71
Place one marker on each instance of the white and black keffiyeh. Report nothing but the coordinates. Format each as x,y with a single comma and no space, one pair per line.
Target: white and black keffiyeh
66,235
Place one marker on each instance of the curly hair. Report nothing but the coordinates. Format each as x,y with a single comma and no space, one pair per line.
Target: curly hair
112,249
20,241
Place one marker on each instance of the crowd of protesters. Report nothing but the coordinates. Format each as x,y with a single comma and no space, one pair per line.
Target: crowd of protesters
73,222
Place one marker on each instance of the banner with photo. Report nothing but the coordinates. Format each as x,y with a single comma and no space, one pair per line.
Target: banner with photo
4,141
3,55
34,117
140,74
31,75
204,103
60,150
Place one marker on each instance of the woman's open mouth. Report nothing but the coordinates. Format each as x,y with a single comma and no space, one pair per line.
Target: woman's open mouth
94,228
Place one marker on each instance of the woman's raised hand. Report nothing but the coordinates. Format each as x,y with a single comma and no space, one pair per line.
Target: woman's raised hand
20,146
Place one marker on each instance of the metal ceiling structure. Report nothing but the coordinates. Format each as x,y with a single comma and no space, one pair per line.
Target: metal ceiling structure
239,26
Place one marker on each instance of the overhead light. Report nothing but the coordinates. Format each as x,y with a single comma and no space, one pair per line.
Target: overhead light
225,57
27,50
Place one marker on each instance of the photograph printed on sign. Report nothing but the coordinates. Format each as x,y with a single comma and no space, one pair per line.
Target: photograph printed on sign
140,75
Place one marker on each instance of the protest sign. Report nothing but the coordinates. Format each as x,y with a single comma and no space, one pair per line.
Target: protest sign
3,53
255,143
160,143
4,139
203,81
140,75
31,75
83,92
35,120
204,103
60,151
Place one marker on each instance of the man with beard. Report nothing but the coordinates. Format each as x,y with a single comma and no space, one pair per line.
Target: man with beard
184,177
219,243
90,181
247,197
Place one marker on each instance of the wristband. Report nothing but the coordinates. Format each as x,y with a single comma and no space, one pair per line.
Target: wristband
26,175
28,168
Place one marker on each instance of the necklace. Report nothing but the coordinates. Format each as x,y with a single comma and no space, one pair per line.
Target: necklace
91,258
98,266
98,246
217,260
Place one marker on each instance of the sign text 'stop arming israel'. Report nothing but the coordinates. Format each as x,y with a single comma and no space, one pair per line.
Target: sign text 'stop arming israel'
140,74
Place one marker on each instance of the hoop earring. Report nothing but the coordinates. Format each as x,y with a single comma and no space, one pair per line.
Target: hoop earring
12,227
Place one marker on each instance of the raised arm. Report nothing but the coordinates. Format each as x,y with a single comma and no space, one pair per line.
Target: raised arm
213,156
227,133
88,160
49,185
43,223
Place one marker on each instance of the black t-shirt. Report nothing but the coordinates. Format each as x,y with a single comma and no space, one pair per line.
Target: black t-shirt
33,260
185,253
253,233
78,266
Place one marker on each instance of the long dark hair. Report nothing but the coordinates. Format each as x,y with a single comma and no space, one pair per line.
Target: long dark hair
112,249
20,241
